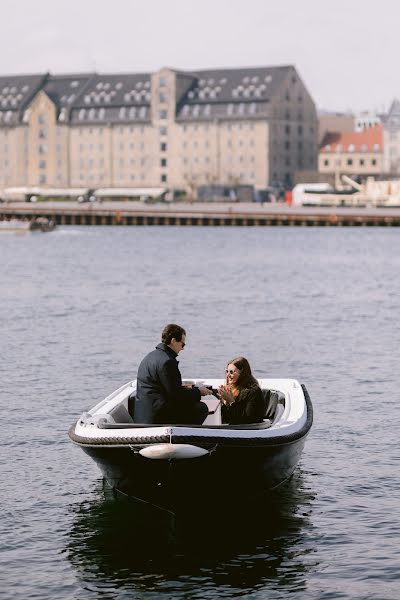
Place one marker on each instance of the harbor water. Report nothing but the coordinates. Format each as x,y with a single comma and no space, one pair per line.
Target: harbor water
80,306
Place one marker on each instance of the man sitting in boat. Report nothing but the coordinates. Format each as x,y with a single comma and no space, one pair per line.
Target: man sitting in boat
241,395
160,396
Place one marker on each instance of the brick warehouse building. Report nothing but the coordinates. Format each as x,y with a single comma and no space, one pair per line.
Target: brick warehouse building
172,128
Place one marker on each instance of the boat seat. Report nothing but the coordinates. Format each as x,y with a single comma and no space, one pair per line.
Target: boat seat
272,399
278,413
120,414
131,405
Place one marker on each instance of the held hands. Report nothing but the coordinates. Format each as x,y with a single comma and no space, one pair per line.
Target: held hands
225,393
204,391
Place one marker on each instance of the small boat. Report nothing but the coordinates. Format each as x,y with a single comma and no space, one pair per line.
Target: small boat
169,465
21,226
42,224
14,225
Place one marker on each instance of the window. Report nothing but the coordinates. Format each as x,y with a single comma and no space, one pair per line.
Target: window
163,178
162,97
362,162
326,163
163,162
163,147
349,161
42,164
163,130
373,162
162,114
41,119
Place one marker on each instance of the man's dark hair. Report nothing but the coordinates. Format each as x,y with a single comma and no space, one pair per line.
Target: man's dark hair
172,331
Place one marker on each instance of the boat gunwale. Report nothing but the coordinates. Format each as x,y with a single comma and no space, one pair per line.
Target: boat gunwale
173,437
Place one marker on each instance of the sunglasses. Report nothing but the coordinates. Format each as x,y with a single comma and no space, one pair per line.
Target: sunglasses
230,371
183,344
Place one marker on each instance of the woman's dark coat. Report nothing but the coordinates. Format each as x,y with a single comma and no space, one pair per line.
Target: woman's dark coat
249,407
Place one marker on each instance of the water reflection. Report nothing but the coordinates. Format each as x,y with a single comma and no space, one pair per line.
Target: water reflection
118,543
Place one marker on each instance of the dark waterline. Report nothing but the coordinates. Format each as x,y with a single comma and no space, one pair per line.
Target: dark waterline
80,307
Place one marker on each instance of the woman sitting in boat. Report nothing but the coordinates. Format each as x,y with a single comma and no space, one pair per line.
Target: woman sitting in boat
241,395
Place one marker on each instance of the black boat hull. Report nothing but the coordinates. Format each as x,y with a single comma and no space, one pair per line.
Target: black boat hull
230,468
239,471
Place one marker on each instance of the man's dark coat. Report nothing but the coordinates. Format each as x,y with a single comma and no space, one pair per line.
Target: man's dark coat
160,397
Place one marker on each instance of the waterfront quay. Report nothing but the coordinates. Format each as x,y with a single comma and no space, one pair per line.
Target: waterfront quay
200,214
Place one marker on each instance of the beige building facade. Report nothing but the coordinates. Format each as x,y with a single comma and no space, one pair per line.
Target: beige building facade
353,154
170,128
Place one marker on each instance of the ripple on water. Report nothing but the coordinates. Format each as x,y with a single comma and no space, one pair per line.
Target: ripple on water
78,310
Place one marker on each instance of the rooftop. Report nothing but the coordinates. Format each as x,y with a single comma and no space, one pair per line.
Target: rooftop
369,140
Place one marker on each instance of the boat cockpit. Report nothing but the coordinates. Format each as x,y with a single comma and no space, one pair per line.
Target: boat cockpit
121,415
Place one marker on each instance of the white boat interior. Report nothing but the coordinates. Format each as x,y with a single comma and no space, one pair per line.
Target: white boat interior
113,417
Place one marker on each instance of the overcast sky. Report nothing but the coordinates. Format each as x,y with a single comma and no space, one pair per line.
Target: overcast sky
346,51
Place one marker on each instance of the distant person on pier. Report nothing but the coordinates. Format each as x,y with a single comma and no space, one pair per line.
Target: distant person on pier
160,396
241,396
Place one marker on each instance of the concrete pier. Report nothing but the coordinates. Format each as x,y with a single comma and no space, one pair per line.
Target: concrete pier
202,214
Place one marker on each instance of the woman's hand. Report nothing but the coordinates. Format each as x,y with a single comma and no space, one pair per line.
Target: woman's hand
226,394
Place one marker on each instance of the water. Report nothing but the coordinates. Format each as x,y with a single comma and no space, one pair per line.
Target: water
79,309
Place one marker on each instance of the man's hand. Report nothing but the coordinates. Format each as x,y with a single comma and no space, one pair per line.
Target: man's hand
204,391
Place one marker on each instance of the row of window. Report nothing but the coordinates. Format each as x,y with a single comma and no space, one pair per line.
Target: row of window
242,176
351,148
229,159
186,128
120,130
362,162
197,110
124,112
229,143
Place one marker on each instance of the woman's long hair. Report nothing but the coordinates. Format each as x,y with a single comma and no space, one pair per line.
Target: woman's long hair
245,379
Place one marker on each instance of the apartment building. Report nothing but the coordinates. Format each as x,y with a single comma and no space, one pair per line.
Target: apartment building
353,153
172,128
